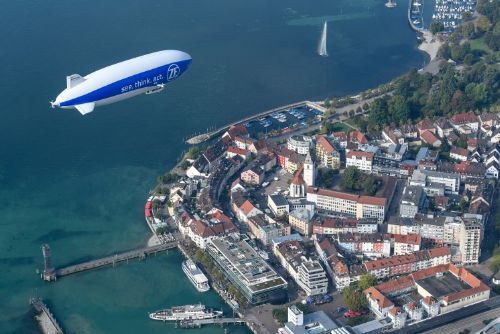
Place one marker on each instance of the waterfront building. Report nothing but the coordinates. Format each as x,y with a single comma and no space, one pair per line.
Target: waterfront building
326,153
309,170
247,271
361,160
299,144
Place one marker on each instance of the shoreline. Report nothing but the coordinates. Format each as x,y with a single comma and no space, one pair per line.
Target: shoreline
430,45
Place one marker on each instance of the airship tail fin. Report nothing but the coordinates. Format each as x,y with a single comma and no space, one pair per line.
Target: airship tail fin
74,80
85,108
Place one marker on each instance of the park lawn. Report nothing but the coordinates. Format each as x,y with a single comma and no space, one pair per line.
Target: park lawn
479,44
340,126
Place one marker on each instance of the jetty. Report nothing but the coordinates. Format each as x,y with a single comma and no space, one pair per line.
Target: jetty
45,318
140,253
215,321
209,135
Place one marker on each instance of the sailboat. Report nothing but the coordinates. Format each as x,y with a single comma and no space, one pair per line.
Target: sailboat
322,43
390,4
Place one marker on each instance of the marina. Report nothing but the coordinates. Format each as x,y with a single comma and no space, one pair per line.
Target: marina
450,12
195,275
185,312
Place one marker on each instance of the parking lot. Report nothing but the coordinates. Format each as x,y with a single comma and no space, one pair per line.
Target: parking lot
277,182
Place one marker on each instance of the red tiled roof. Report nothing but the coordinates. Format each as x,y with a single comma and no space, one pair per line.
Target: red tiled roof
358,136
297,178
425,124
463,118
237,130
236,150
459,151
325,144
370,200
413,239
438,252
428,137
360,154
382,301
247,207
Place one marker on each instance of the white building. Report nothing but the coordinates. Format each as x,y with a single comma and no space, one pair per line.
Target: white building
312,278
362,160
299,144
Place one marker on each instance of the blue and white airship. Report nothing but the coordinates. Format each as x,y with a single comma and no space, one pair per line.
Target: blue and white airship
145,74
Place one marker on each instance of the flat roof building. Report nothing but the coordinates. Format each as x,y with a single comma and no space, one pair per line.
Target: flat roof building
250,274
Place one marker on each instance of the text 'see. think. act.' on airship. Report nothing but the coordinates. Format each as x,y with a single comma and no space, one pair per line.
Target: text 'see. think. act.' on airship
145,74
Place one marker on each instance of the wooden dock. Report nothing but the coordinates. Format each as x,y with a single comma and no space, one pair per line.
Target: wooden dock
114,259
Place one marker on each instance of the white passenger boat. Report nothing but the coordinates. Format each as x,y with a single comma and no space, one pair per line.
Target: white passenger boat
185,312
195,275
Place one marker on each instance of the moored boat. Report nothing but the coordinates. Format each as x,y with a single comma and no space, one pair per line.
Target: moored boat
195,275
185,312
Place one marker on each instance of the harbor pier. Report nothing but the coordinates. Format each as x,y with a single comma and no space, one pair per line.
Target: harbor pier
215,321
209,135
110,260
45,318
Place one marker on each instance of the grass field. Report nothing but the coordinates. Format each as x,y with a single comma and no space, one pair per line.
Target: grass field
478,44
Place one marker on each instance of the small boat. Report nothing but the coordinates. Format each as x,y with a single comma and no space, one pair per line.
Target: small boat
322,42
185,312
195,275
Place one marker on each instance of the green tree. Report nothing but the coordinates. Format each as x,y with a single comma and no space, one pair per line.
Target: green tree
399,109
436,26
366,281
193,152
280,314
354,298
349,178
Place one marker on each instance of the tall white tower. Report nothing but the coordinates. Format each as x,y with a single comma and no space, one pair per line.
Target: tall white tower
309,171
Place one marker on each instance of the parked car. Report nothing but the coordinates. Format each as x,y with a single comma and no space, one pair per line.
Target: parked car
352,314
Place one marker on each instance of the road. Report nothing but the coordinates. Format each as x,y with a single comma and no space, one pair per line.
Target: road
473,323
452,317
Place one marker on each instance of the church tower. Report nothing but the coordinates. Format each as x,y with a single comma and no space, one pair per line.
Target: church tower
298,186
309,171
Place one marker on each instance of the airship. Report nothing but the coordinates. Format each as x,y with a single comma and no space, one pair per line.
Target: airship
145,74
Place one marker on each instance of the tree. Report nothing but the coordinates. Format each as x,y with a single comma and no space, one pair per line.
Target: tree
349,178
436,26
193,152
399,109
354,298
482,24
280,314
378,113
366,281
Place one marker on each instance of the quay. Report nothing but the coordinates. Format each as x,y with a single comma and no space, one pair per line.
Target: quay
45,318
215,321
209,135
105,261
410,21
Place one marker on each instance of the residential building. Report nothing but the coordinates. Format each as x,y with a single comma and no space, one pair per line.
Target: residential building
459,153
278,205
412,201
253,175
299,144
471,233
326,153
265,229
361,160
406,244
300,220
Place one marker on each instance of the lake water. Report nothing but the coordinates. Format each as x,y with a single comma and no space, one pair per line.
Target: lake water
80,183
